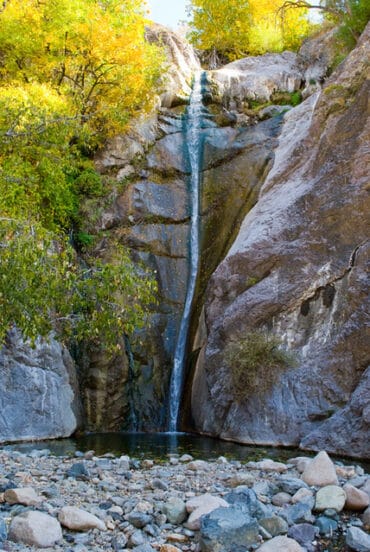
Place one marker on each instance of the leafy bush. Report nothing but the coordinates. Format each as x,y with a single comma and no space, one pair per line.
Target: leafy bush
255,362
44,288
71,74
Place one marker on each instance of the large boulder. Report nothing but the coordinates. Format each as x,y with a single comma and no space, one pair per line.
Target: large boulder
38,390
257,78
297,271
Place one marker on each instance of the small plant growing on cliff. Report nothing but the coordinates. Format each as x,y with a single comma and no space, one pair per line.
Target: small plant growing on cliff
255,362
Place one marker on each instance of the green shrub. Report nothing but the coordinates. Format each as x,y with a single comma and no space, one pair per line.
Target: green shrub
255,363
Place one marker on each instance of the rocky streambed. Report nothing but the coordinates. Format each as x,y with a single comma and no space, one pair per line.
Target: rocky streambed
99,503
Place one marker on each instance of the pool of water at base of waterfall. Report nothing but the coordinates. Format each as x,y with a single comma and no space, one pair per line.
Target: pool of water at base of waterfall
161,446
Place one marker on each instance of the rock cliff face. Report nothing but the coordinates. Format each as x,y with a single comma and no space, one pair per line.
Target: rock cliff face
283,250
149,213
297,270
38,391
151,217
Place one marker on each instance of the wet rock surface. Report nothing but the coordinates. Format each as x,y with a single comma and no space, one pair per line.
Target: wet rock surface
118,507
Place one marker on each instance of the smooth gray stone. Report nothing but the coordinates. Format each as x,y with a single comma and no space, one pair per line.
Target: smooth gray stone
228,530
358,540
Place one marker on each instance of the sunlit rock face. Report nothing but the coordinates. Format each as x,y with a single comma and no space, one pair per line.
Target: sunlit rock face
298,271
257,78
182,64
149,213
39,396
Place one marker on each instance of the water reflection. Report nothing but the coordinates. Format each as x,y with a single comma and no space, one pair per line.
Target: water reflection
155,446
160,446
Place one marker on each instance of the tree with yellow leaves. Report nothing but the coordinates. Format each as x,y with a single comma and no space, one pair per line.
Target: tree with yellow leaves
235,29
94,52
220,28
71,74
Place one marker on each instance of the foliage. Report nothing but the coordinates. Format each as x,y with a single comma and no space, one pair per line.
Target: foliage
92,52
36,161
255,361
274,33
220,26
71,74
235,29
42,288
351,16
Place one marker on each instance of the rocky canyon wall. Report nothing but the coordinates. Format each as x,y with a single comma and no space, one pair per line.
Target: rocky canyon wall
284,193
298,271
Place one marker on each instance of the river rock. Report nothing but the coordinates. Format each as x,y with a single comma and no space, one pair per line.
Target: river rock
330,497
139,520
291,484
298,513
326,526
78,471
356,499
24,495
358,540
201,505
274,525
300,462
241,478
3,529
198,465
35,529
269,465
280,544
79,520
366,486
227,530
304,534
320,471
204,501
169,548
146,547
302,495
279,499
246,500
366,518
175,510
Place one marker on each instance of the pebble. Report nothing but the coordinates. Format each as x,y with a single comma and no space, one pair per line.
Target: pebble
366,517
320,471
36,529
281,498
358,540
280,544
330,497
25,495
149,506
79,520
356,499
175,510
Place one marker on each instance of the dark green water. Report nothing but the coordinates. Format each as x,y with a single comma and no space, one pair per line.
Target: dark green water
160,446
156,446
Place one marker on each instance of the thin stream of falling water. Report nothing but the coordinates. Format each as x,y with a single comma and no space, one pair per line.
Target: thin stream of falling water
193,141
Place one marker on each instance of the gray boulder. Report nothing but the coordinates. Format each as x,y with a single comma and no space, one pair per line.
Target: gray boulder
358,540
38,391
228,530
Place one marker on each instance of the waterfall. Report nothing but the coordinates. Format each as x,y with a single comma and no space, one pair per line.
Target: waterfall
193,142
